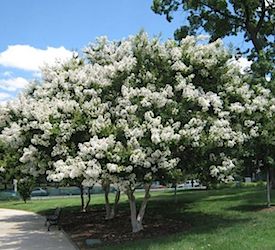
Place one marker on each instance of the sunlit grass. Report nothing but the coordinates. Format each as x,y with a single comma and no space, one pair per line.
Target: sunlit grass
220,219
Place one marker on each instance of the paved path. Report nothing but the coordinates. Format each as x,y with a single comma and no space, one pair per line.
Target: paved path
20,230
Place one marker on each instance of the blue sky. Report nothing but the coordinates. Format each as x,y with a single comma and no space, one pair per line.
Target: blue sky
32,30
73,23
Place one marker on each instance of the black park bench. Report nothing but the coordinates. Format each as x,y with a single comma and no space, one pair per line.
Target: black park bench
53,219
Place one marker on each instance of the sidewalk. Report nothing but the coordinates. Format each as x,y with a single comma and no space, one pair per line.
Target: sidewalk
20,230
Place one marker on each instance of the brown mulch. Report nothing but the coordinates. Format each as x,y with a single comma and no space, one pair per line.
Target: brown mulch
268,209
92,225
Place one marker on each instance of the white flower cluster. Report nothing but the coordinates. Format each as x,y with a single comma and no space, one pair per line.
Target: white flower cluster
120,112
193,131
12,135
223,172
222,133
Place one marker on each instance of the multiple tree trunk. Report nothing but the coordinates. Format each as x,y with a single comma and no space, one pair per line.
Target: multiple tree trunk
137,216
85,205
111,211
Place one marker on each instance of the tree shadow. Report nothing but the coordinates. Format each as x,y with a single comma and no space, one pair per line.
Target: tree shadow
200,223
252,195
161,209
248,208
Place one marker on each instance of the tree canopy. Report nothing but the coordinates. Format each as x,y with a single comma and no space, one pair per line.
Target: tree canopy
129,112
223,18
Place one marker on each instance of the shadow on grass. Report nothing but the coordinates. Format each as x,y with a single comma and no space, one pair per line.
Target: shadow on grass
251,199
163,206
200,223
160,208
248,208
189,223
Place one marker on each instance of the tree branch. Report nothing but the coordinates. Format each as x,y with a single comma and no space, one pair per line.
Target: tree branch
261,20
224,14
249,28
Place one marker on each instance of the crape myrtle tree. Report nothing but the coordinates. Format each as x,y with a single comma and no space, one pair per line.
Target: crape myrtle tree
4,120
9,157
254,19
9,165
53,119
163,99
47,123
128,111
260,150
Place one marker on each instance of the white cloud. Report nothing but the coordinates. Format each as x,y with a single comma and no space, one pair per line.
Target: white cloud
244,63
29,58
37,74
4,98
4,95
13,84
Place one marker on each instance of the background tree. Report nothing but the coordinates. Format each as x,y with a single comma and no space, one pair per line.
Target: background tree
175,176
25,186
255,19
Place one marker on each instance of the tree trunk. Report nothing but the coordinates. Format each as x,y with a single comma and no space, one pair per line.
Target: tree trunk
82,198
85,205
88,199
106,188
175,194
110,211
175,190
115,206
136,227
136,219
272,177
268,187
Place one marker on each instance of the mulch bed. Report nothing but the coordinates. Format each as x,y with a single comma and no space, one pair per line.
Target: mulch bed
268,209
92,224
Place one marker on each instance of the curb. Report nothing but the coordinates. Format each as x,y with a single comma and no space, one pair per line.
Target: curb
70,239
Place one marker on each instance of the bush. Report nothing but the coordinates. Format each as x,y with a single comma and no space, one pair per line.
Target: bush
25,186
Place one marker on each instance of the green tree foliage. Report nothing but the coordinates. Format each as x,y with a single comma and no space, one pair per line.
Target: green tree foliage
8,164
25,186
221,18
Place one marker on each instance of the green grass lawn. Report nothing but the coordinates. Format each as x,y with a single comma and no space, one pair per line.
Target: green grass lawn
220,219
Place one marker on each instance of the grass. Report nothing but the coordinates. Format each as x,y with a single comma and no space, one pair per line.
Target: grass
232,218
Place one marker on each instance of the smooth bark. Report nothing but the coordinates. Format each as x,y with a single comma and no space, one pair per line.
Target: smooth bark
82,198
272,177
111,211
137,218
88,199
84,206
115,205
268,187
175,190
106,188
